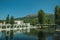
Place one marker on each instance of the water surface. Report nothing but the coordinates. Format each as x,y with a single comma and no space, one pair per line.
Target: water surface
22,36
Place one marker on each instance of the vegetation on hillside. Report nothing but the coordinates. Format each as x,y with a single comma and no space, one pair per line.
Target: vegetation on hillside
33,19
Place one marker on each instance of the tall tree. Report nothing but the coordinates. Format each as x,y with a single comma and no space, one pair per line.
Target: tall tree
12,20
7,19
41,17
57,15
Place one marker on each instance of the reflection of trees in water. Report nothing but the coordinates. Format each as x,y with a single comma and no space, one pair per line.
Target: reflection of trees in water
6,37
57,35
41,35
11,34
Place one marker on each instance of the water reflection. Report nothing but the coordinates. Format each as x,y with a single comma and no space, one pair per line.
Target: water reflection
57,35
41,35
11,35
21,36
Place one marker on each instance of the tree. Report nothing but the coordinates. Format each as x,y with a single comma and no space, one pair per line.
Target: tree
41,17
12,20
57,15
7,19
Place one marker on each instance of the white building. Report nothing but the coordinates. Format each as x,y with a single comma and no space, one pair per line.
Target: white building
21,22
17,22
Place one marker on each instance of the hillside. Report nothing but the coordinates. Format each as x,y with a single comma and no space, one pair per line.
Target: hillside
33,18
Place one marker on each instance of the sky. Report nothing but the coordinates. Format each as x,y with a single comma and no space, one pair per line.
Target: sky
21,8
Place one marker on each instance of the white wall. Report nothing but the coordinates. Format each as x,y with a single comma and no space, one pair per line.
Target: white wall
18,22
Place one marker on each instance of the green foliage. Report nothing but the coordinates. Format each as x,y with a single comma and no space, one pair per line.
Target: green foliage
57,15
33,19
12,20
50,19
1,21
7,19
41,17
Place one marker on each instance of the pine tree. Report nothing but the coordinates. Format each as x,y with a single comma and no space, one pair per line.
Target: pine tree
41,17
7,20
12,20
57,15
